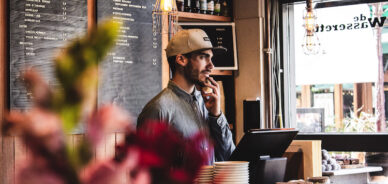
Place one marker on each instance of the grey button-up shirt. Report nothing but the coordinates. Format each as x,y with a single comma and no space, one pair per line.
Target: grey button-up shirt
188,114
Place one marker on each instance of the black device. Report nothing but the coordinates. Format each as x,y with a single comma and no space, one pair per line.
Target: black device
251,114
263,142
263,149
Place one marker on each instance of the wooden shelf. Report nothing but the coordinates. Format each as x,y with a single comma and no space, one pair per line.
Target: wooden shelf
198,17
222,72
351,171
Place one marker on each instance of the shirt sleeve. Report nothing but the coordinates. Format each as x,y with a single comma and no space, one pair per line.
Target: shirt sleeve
222,136
149,113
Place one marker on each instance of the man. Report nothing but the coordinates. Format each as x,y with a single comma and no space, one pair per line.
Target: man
181,104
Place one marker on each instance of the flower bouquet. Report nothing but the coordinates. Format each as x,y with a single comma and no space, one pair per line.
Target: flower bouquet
151,155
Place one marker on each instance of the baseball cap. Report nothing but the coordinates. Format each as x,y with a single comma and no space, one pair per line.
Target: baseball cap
189,40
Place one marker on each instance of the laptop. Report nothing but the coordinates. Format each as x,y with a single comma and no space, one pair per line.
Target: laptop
258,143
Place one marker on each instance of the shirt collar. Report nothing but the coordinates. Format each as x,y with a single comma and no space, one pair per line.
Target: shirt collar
182,93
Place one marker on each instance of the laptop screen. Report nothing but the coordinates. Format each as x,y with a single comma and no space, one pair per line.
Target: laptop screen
263,142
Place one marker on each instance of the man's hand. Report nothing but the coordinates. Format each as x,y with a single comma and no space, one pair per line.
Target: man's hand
212,99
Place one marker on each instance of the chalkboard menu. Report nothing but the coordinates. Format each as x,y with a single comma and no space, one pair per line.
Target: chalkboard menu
132,72
221,35
38,28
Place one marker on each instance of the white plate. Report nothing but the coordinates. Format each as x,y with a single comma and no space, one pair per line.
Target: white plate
233,166
227,182
231,170
230,180
231,176
230,173
218,166
231,163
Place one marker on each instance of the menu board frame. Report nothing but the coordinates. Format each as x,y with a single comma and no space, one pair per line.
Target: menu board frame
39,38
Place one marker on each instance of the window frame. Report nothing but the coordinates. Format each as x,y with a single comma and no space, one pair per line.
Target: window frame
363,142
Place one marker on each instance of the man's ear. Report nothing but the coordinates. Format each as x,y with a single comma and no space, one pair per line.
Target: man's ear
181,60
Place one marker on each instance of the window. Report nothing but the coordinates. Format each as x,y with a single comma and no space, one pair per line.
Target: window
343,78
338,95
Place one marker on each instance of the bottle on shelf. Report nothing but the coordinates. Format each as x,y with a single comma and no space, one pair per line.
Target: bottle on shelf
203,5
224,9
195,6
187,5
210,7
179,5
217,7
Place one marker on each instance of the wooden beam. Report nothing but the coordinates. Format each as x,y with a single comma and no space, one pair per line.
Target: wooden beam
338,105
92,19
362,98
222,72
8,160
386,77
306,96
197,17
3,85
368,98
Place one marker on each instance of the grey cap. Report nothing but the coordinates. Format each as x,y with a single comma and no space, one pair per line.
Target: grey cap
189,40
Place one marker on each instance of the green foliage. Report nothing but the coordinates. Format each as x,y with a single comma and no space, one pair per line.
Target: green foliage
76,70
364,122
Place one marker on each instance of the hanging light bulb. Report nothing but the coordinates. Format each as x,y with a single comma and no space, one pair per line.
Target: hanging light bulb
311,44
167,5
164,17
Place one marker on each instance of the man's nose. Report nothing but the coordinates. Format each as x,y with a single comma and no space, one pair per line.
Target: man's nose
210,64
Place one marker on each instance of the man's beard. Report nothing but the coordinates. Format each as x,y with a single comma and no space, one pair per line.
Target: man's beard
192,75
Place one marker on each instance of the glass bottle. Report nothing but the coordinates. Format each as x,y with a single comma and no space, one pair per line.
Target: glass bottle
210,7
195,6
203,8
217,7
179,5
224,9
187,5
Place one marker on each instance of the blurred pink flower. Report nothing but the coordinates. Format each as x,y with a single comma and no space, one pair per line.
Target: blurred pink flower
41,128
108,118
37,172
168,156
112,172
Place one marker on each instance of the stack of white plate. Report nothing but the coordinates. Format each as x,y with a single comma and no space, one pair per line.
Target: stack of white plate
205,175
236,172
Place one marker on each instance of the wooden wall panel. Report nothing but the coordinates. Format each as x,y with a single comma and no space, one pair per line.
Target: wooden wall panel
120,137
8,160
91,14
306,96
338,105
362,97
7,143
16,153
20,153
107,147
110,143
100,151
